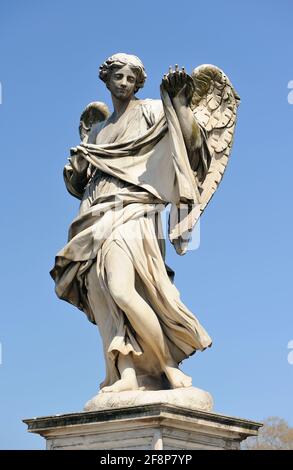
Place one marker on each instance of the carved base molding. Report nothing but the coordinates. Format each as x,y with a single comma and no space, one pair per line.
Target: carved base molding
155,426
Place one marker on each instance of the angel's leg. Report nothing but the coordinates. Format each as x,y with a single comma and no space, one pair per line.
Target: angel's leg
121,282
128,379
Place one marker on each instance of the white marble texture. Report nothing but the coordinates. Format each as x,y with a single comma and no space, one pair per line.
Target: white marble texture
191,398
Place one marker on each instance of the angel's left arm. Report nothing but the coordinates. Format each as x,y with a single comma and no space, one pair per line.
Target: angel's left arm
179,85
194,139
190,129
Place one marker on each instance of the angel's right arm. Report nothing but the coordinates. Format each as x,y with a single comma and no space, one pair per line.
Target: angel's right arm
75,175
77,172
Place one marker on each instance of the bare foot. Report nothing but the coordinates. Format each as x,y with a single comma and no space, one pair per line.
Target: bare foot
177,378
122,385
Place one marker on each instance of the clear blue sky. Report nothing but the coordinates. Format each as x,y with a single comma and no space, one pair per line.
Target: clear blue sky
239,282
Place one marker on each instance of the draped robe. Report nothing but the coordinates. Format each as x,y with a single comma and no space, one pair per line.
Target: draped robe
133,177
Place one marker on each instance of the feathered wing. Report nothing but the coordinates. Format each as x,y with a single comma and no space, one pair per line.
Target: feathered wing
93,113
214,103
75,179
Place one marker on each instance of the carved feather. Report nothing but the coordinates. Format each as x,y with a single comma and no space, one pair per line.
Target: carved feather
93,113
214,104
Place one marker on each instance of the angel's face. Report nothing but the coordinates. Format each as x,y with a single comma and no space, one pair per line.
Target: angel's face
122,83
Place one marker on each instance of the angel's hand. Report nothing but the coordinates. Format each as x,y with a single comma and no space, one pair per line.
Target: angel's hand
179,86
78,162
78,149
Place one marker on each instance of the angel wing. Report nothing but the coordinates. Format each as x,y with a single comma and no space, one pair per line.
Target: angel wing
76,179
93,113
214,103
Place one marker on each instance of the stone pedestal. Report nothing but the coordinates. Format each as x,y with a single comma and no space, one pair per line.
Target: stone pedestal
148,426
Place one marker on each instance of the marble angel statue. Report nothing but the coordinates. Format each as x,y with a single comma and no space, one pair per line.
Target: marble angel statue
128,167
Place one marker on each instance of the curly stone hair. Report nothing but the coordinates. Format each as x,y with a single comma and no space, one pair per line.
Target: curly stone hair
118,61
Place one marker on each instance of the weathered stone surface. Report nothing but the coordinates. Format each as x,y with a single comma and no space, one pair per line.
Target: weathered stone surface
130,165
191,398
145,427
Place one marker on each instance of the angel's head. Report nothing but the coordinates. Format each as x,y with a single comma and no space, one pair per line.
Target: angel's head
123,74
